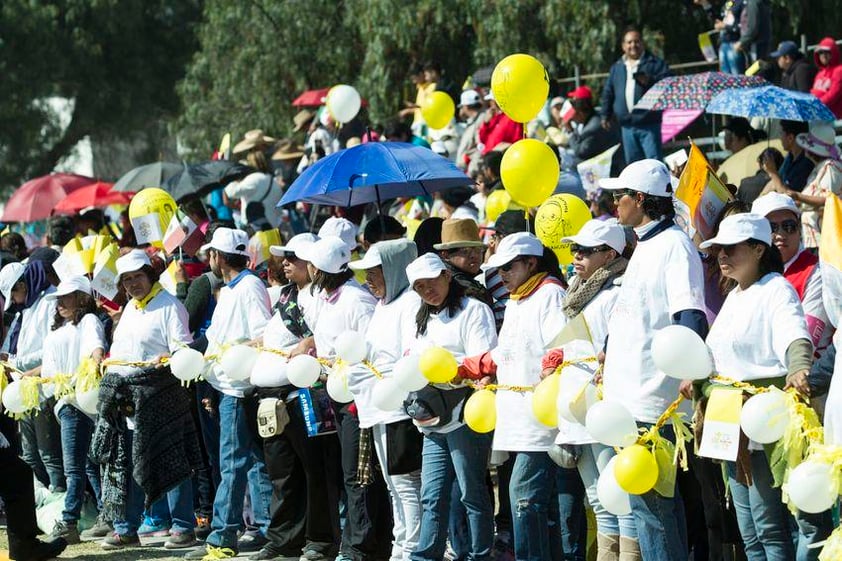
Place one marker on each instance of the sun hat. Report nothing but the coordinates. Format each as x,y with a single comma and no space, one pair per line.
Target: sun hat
9,277
738,228
820,140
285,149
459,232
294,244
341,228
69,286
647,176
329,254
513,246
599,232
428,266
133,261
770,202
253,139
302,118
229,240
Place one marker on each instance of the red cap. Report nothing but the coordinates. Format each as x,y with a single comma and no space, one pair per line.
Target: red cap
582,92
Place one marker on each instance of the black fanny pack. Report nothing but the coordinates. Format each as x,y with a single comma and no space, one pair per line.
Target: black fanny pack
433,407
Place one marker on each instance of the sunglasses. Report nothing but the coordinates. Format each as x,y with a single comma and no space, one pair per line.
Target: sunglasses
508,266
585,251
618,195
787,226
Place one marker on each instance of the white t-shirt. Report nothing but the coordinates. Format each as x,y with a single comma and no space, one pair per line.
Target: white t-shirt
241,314
348,308
664,277
529,326
36,321
162,327
260,187
596,313
470,332
754,329
65,347
390,325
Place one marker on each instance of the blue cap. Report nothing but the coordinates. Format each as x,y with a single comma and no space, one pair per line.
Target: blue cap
785,48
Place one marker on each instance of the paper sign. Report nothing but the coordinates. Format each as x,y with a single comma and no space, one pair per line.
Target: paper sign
706,46
147,229
676,159
721,435
63,267
703,193
598,167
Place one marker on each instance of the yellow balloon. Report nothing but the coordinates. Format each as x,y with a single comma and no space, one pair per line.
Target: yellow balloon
438,365
496,204
544,400
481,411
561,216
529,171
151,200
636,470
438,109
520,85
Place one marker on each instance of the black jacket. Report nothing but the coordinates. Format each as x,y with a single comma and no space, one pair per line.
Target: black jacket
799,77
650,70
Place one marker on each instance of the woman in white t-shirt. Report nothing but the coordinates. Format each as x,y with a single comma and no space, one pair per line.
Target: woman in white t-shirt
76,334
452,451
760,337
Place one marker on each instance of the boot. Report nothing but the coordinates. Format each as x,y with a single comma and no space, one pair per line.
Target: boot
629,550
607,547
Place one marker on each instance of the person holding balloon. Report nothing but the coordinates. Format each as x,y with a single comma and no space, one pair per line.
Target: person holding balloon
760,337
449,323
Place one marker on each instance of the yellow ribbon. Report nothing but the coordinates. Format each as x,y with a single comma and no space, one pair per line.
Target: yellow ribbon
832,550
87,375
30,393
214,553
63,385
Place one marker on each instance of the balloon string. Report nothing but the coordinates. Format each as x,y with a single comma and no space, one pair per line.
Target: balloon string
719,379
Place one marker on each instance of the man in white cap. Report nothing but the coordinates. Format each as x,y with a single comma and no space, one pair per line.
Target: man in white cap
663,285
470,111
241,314
152,326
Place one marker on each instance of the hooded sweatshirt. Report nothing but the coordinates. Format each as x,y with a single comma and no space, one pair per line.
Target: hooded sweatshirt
828,83
390,327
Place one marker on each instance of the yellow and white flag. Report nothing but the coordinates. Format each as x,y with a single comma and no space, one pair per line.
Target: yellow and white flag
167,279
598,167
701,195
105,271
259,245
830,253
576,330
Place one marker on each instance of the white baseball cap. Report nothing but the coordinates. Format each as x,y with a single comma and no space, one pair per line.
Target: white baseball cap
69,286
599,232
330,254
370,260
132,261
738,228
342,228
9,276
770,202
294,244
428,266
514,246
469,97
647,176
228,240
489,96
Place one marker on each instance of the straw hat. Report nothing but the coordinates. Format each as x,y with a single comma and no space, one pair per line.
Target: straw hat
285,149
302,118
821,140
459,232
253,139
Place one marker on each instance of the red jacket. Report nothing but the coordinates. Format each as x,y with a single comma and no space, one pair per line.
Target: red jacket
500,128
828,83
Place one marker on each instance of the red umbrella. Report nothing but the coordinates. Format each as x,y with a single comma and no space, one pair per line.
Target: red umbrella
97,194
315,98
35,199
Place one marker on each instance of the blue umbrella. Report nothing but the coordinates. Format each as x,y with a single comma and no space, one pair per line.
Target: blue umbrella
770,101
374,172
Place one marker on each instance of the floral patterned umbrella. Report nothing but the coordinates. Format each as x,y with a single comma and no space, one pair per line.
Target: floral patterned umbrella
693,91
772,102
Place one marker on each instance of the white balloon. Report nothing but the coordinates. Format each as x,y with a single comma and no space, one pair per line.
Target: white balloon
571,409
407,374
187,364
12,399
88,400
269,370
303,371
765,416
387,395
680,353
238,361
611,496
343,102
810,487
351,347
610,423
337,387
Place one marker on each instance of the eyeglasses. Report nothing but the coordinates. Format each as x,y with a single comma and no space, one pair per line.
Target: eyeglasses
620,194
508,266
786,227
585,251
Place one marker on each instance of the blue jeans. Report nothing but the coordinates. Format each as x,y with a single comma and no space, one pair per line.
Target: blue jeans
238,455
641,141
179,501
571,525
812,529
76,432
593,459
763,519
730,61
530,494
460,455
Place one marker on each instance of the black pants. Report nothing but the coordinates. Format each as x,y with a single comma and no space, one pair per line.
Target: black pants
41,440
18,495
304,513
367,535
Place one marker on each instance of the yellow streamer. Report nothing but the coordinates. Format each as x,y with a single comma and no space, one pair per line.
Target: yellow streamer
214,553
87,375
30,393
832,550
63,385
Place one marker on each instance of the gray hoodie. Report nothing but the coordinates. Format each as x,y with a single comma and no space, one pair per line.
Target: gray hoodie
395,256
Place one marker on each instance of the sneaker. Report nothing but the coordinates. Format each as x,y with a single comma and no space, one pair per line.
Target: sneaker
267,554
211,553
251,540
180,540
118,541
36,550
313,555
152,529
65,529
203,527
100,529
